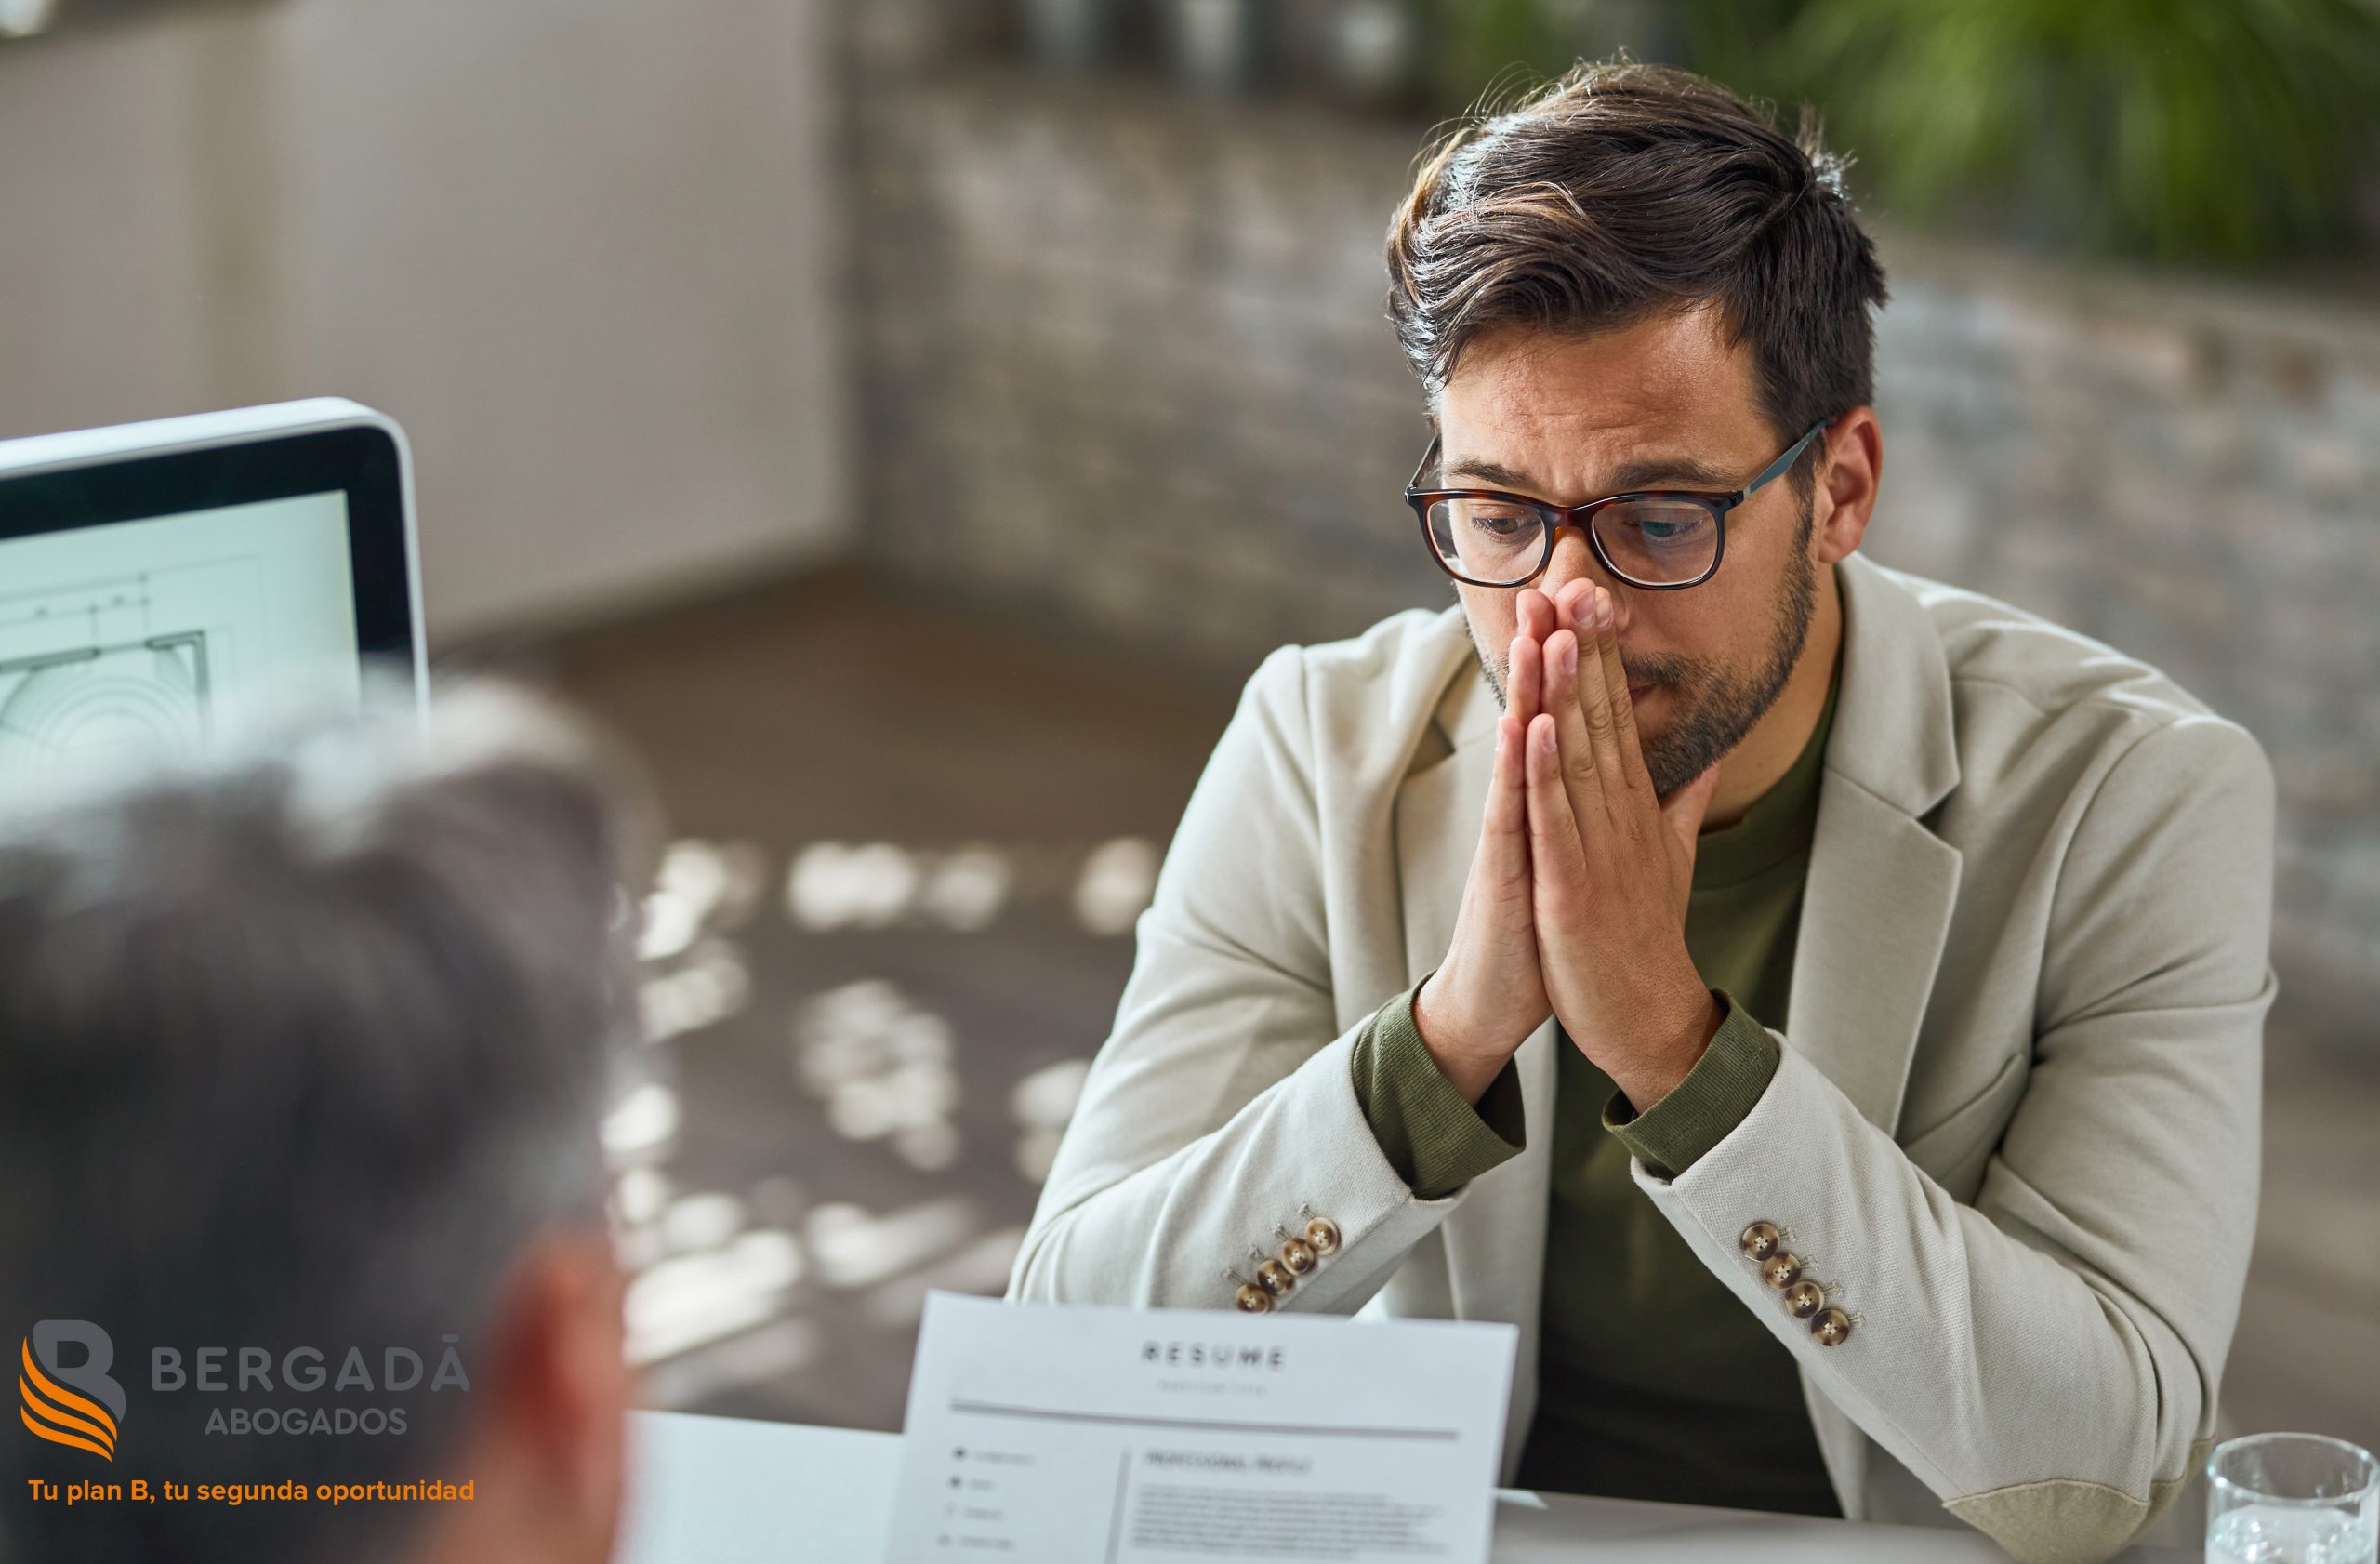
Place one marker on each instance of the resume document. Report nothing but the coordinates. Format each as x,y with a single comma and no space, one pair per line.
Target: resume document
1067,1435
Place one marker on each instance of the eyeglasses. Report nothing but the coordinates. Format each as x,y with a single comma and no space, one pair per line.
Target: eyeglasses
1660,540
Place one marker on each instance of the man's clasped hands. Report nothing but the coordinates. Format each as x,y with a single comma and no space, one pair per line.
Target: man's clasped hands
1576,898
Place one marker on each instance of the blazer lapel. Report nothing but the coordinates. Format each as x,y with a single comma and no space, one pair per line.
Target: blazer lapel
1873,917
1437,832
1877,906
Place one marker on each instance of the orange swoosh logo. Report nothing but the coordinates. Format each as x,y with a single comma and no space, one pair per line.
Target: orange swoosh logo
58,1414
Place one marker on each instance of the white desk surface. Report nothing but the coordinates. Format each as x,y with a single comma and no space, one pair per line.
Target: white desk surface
718,1491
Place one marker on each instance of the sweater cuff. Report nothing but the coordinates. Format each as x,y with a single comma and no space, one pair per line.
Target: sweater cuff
1717,1095
1436,1142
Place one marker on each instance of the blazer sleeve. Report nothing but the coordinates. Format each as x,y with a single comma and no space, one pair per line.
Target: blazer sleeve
2045,1360
1221,1109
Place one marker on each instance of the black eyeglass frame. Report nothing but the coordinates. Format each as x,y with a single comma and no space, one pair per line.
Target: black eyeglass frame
1554,518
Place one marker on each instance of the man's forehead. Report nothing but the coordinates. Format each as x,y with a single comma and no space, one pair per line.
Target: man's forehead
1669,397
1656,368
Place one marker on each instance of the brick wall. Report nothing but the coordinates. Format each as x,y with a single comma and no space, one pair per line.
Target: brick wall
1125,360
1124,364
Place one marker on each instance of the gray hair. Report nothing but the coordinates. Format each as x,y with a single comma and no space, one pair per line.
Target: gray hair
299,1043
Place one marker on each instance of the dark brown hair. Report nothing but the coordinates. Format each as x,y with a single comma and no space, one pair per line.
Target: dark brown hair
1623,190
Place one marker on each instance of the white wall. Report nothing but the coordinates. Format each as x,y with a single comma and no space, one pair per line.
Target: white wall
586,250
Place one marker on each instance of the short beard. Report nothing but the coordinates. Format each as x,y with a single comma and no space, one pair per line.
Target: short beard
1712,709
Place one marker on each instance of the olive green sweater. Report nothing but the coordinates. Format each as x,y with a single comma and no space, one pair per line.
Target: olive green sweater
1654,1382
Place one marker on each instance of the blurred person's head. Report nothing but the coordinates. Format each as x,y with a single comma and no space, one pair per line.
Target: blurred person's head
1633,281
303,1052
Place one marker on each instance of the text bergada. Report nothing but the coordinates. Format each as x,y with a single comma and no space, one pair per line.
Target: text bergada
303,1369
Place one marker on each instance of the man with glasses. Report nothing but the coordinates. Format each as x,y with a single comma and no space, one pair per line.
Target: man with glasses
1820,1007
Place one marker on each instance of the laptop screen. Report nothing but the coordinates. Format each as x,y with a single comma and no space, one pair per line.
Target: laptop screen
130,620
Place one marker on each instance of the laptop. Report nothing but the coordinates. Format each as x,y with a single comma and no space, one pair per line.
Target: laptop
154,575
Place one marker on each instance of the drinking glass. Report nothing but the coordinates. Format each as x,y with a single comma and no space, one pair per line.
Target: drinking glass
2292,1499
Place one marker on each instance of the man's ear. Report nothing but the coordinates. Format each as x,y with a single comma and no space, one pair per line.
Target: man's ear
1847,480
560,1383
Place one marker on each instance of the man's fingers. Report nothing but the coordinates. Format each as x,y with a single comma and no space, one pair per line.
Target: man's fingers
1595,703
1683,809
1566,602
1554,853
1503,829
1534,612
1525,679
1563,703
1625,738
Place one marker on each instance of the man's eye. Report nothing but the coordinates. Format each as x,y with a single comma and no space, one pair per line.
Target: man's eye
1659,523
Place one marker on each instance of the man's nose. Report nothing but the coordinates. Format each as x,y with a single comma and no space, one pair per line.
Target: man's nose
1574,560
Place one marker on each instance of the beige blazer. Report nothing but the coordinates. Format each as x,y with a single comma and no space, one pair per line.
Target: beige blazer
2016,1126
